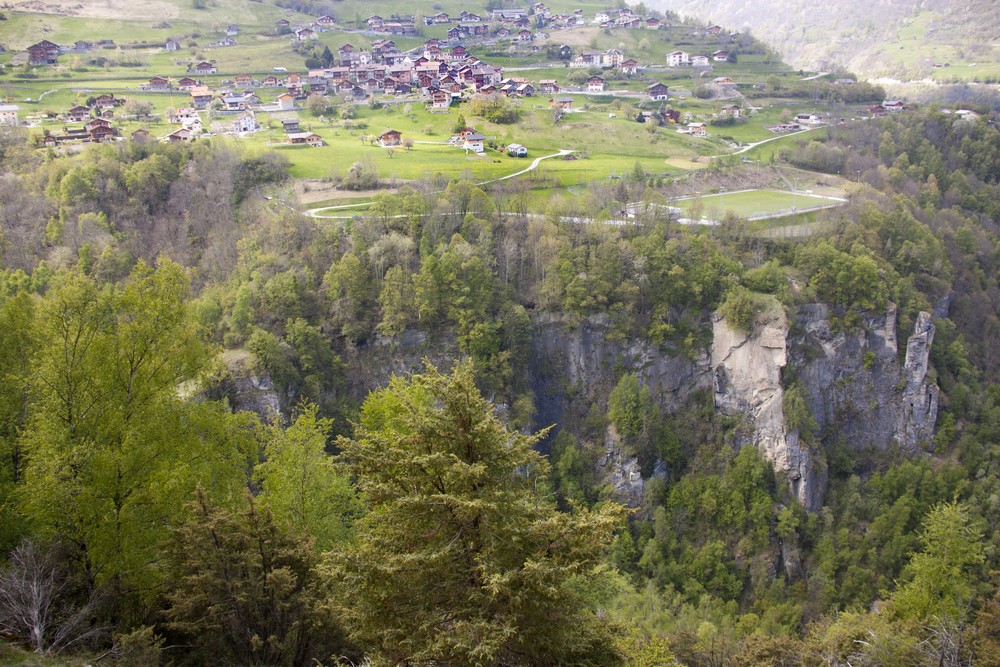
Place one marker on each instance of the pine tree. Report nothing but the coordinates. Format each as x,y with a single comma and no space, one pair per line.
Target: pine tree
461,560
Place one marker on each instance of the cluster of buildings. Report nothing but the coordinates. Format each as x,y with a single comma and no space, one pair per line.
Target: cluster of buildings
685,59
610,59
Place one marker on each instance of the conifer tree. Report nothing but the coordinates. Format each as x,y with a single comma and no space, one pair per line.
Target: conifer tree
461,560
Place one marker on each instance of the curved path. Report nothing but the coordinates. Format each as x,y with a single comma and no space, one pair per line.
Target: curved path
764,141
318,212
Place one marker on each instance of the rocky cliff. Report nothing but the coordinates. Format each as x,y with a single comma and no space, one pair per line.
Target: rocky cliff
746,371
856,388
859,392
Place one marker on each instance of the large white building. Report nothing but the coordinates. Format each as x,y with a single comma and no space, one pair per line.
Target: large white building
8,114
677,59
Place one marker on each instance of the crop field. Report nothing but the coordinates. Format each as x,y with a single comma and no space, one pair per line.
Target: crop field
751,203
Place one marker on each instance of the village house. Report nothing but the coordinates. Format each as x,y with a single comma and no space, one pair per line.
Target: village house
525,89
187,83
714,30
629,67
182,134
509,15
724,82
474,142
309,138
43,53
201,97
234,102
808,119
612,58
183,114
99,129
658,92
232,30
140,136
203,68
517,150
720,56
8,114
286,101
731,111
245,122
548,86
697,129
78,114
892,106
244,81
440,100
326,21
652,24
290,125
158,83
390,138
562,103
595,84
700,61
270,81
305,34
282,24
677,59
171,45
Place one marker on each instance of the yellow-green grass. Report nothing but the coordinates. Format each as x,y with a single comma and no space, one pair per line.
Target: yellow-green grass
749,203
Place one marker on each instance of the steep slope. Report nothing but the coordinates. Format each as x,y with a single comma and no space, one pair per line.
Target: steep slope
900,38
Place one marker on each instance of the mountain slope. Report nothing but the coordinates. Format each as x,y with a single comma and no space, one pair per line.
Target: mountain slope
899,38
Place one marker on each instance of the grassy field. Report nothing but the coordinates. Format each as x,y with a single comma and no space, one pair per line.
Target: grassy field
748,203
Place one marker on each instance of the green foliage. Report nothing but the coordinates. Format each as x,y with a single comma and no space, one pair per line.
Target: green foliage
459,559
110,444
300,484
941,579
244,589
496,108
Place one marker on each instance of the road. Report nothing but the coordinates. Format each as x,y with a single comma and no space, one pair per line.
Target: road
318,212
774,138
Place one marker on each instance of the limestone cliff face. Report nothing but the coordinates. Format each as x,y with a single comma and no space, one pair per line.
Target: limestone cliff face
858,391
746,371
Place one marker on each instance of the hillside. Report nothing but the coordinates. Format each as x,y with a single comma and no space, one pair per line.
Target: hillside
903,39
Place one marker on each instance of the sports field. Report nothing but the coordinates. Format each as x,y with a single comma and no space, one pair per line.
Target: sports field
752,203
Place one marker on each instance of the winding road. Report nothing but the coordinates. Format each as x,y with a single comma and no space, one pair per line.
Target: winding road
318,212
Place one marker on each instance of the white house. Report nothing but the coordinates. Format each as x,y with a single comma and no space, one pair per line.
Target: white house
700,61
474,142
246,122
8,114
678,59
697,129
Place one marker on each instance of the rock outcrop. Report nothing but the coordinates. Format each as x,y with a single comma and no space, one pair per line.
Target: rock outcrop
858,391
747,384
621,471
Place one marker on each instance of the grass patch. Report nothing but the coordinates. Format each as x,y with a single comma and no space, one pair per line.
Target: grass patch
747,204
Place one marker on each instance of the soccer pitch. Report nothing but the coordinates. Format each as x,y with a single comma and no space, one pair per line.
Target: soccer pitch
753,204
